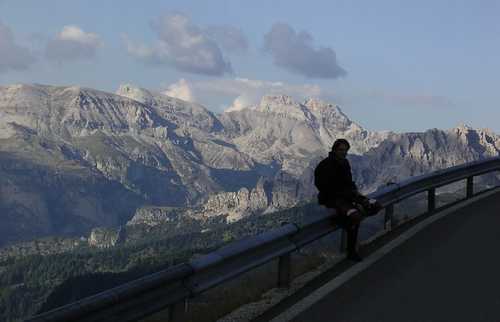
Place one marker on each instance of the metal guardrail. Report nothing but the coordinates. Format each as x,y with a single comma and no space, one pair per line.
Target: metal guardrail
172,287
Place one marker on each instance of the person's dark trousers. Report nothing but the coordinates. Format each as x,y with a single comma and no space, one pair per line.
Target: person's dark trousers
352,237
342,206
351,229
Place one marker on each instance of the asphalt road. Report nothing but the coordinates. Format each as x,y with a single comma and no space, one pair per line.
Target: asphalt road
449,271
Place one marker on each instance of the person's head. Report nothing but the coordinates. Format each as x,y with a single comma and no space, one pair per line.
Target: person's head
340,148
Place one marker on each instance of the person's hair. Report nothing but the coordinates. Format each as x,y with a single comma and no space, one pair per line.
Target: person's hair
339,142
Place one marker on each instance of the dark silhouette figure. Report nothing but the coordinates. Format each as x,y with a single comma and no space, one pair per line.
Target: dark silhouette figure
337,190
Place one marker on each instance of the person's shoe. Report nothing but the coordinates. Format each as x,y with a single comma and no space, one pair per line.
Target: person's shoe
354,256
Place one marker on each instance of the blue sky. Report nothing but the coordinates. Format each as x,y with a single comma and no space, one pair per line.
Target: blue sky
390,65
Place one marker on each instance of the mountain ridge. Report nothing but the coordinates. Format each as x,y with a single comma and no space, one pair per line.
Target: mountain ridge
164,152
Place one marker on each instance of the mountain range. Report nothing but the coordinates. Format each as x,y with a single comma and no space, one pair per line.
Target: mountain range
74,158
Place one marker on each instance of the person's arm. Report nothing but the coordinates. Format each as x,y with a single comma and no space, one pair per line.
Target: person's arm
354,187
371,205
320,179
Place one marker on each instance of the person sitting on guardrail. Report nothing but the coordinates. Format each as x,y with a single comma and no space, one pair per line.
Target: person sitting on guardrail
337,190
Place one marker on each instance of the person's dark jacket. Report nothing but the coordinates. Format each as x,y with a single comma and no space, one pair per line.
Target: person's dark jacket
333,178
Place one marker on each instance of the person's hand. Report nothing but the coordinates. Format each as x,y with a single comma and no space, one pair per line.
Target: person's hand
365,202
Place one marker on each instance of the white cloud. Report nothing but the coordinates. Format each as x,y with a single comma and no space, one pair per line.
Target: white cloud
74,33
182,45
72,43
238,93
12,56
295,52
241,102
181,90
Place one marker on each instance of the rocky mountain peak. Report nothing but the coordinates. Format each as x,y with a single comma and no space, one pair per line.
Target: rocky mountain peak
181,113
317,105
276,100
463,127
17,87
73,88
484,140
68,111
136,93
22,94
283,106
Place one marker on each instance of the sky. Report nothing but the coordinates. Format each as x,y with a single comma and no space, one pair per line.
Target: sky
405,66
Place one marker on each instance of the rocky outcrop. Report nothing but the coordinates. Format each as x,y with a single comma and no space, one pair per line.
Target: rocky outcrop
153,216
105,237
236,205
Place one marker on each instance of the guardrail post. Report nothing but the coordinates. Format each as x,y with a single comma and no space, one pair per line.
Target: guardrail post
431,199
177,311
470,187
284,270
389,217
343,241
